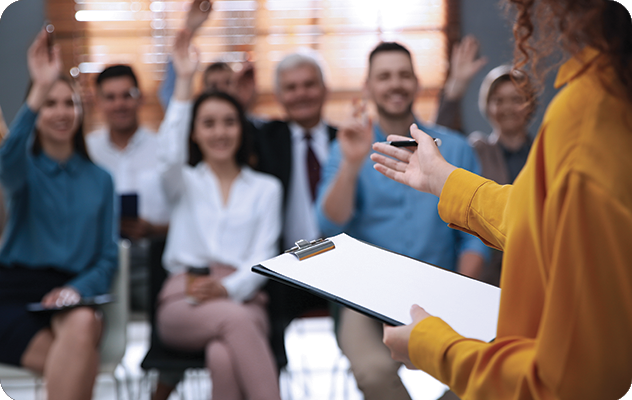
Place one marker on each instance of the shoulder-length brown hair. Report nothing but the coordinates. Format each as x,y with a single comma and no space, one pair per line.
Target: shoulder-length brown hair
542,27
243,154
78,140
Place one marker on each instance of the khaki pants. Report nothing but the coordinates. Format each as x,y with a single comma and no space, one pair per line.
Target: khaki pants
360,339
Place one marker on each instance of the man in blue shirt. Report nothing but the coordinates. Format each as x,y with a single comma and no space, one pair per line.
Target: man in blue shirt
356,199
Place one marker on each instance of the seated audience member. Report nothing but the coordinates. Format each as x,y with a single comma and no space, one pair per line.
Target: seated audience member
294,150
218,75
226,217
60,240
356,199
130,153
508,109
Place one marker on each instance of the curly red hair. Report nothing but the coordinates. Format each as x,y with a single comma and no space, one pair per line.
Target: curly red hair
543,27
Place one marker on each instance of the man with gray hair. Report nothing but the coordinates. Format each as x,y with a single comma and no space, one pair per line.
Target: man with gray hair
293,151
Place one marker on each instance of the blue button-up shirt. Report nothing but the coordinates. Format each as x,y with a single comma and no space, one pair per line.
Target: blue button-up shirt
61,215
401,219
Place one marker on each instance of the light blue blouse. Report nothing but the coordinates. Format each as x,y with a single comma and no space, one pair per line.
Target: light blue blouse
61,215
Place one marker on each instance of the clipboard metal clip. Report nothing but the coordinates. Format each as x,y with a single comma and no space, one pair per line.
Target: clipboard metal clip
305,249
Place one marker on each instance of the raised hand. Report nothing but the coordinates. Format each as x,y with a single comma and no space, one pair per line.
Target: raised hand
396,338
185,62
45,66
356,136
424,169
185,56
198,13
464,64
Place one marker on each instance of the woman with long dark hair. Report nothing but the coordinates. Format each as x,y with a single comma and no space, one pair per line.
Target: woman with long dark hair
226,218
60,240
565,321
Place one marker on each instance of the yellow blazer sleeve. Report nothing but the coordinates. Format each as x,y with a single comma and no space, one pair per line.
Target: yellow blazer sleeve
583,348
484,210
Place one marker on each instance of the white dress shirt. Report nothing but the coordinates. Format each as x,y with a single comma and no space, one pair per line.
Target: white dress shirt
204,230
300,216
134,170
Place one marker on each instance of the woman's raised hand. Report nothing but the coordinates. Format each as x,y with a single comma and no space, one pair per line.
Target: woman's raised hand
185,56
44,65
185,62
424,169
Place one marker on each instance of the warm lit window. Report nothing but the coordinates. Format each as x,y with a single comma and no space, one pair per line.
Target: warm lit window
340,32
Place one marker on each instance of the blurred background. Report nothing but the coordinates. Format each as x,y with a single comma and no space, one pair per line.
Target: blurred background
340,33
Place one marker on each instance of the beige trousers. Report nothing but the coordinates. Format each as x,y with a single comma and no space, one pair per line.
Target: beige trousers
234,336
360,339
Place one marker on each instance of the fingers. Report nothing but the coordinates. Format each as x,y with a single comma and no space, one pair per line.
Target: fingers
419,135
390,173
418,313
60,297
395,165
39,44
398,153
203,5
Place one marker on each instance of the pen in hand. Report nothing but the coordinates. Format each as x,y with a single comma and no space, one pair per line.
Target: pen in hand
409,143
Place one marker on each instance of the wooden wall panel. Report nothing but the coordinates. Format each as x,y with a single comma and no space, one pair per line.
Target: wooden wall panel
340,32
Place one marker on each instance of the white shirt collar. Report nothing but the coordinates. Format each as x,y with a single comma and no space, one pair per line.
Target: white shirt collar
298,131
136,140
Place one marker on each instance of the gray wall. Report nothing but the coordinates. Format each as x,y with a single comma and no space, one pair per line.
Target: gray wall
487,20
19,24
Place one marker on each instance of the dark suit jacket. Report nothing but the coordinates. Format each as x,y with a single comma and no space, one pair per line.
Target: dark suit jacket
273,149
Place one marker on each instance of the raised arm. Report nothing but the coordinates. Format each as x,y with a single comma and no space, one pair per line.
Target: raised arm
355,140
44,65
199,11
174,130
464,65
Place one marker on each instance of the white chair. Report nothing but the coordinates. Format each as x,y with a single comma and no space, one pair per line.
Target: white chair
114,341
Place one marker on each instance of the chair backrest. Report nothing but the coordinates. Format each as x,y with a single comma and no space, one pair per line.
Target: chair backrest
157,276
116,314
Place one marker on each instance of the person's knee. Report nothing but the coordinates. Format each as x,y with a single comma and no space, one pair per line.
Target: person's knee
238,317
81,325
217,355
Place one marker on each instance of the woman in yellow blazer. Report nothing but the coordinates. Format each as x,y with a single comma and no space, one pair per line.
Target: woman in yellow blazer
565,225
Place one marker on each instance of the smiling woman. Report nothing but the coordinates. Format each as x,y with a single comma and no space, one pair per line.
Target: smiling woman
60,242
226,217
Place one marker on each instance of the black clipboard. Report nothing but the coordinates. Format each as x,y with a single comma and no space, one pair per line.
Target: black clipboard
464,296
85,301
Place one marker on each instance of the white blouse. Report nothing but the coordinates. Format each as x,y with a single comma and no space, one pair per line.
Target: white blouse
203,229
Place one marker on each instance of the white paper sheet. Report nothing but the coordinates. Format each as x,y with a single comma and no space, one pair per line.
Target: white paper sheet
389,284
